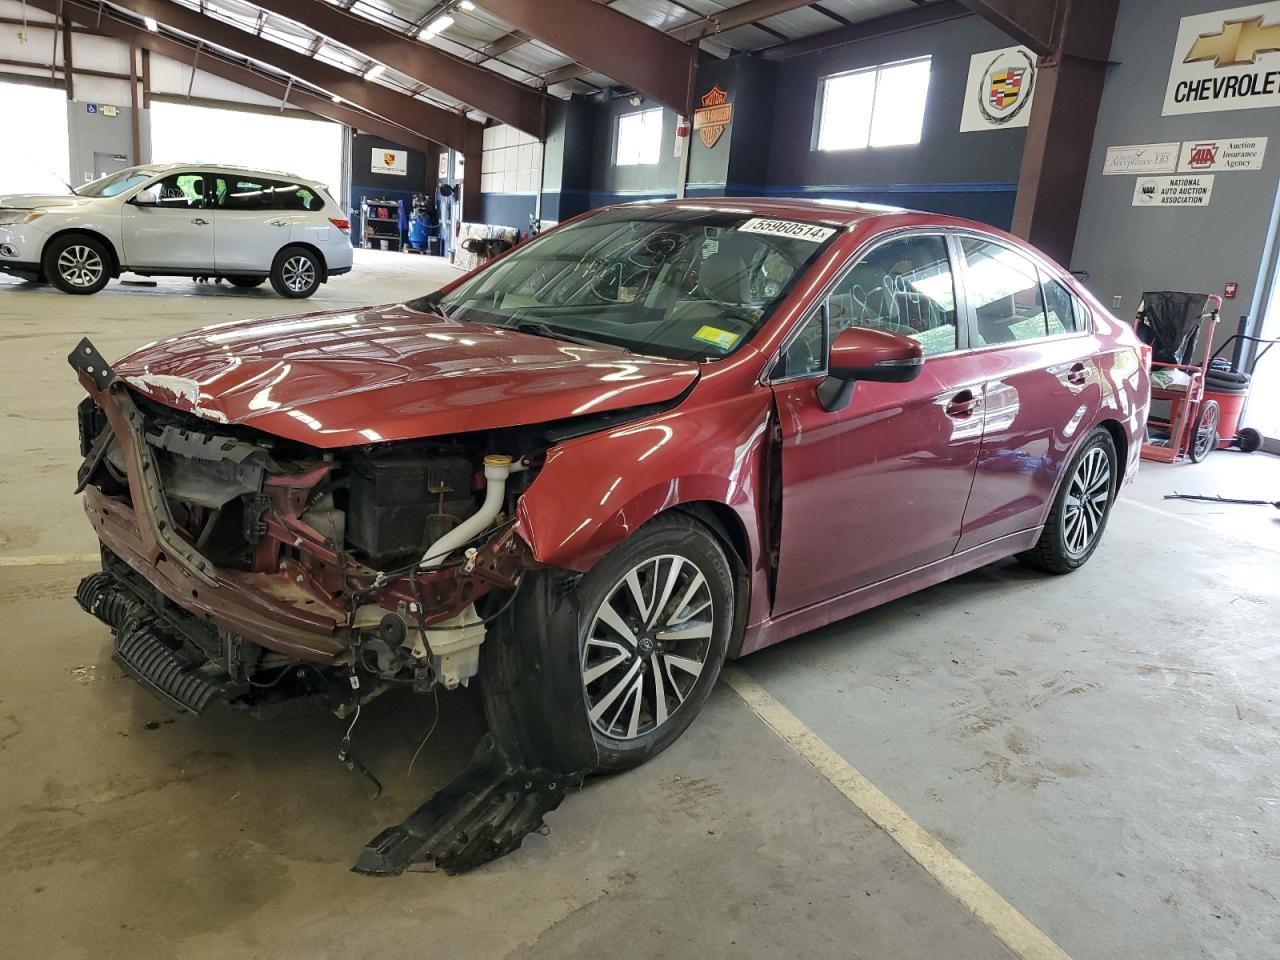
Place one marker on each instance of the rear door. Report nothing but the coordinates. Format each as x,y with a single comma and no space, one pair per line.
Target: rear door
176,233
1043,385
879,487
250,228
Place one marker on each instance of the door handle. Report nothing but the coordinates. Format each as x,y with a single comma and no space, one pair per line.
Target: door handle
962,405
1078,374
200,222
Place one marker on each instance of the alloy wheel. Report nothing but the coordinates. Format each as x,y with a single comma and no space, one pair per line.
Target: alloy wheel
1086,505
80,266
298,273
647,645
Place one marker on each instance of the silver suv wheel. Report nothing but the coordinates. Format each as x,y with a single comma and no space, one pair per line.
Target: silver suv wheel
80,266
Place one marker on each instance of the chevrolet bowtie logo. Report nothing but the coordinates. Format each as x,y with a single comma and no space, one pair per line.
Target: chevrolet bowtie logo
1239,41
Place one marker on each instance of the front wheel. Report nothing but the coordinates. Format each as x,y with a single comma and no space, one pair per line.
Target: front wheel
296,273
656,618
1080,508
77,263
1206,435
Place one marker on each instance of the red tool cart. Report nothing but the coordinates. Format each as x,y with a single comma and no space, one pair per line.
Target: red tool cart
1175,324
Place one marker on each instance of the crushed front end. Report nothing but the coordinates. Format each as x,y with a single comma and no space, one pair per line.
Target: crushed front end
257,572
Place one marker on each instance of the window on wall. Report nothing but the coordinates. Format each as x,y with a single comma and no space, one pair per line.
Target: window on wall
876,107
639,138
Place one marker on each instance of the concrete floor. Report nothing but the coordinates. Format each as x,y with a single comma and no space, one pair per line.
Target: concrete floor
1099,748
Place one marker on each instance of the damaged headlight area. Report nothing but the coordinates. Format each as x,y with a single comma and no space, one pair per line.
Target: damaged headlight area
264,574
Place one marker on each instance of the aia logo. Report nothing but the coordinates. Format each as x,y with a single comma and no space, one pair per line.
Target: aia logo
1203,156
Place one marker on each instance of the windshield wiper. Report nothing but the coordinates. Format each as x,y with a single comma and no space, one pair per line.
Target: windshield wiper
539,328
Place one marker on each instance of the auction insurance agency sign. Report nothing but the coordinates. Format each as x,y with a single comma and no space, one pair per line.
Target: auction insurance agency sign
1228,60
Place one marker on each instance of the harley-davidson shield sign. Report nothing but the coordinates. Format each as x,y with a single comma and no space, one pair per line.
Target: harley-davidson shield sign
713,116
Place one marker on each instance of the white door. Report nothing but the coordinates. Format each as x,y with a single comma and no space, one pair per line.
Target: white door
249,228
174,233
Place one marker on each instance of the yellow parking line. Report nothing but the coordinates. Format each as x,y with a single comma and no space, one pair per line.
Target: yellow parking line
50,560
1015,931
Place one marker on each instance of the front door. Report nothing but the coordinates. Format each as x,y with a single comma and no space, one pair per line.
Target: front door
175,233
880,487
251,230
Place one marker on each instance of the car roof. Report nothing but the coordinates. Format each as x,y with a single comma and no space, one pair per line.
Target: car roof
225,168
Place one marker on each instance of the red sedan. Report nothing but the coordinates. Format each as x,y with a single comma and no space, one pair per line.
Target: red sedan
655,437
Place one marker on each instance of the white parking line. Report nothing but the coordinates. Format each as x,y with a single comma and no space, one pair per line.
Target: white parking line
50,560
1010,927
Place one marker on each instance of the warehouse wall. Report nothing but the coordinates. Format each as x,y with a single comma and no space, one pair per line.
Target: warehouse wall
969,174
96,132
614,184
1129,249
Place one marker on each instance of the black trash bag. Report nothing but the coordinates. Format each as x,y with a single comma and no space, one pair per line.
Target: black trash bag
1170,322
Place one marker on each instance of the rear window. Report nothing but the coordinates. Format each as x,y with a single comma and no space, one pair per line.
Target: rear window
296,196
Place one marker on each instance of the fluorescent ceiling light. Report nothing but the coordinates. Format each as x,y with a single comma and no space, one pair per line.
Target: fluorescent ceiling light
336,98
466,6
151,24
440,23
377,70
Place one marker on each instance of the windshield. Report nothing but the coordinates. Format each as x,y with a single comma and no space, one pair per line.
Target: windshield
685,283
114,183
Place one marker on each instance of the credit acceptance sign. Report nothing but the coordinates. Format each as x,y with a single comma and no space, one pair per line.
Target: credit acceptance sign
1227,60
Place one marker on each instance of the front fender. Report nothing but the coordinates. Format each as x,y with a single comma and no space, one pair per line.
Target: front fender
595,491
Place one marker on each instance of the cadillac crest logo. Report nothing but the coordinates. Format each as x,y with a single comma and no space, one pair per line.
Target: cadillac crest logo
1006,87
713,116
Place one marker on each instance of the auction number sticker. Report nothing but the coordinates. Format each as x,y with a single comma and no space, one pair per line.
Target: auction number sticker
787,228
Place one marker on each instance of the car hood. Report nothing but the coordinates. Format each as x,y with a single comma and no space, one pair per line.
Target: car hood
33,201
390,373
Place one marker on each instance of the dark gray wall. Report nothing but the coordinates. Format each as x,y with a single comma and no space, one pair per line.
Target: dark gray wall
1127,249
613,184
970,174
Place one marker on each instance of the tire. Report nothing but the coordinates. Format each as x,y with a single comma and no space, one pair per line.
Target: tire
77,263
1205,438
246,283
1249,439
296,273
1064,545
622,679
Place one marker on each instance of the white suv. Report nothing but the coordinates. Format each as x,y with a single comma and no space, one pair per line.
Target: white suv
179,219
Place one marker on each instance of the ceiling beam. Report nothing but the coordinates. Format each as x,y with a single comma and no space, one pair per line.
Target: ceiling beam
501,98
736,16
912,19
434,123
632,53
1030,22
103,22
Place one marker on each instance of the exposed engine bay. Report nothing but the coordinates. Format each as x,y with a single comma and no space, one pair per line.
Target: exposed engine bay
257,572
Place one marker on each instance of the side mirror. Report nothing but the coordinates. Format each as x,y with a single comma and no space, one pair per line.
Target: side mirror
859,353
147,197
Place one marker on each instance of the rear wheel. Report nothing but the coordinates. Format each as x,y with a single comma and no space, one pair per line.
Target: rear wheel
1080,508
246,282
656,618
77,263
296,273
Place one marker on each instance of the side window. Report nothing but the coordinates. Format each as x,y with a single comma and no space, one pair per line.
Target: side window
184,191
1004,291
295,196
807,353
903,286
1059,306
244,193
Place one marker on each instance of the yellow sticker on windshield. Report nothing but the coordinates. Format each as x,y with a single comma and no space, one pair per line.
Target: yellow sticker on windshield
724,339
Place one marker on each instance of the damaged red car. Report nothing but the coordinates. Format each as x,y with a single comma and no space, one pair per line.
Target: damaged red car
656,437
